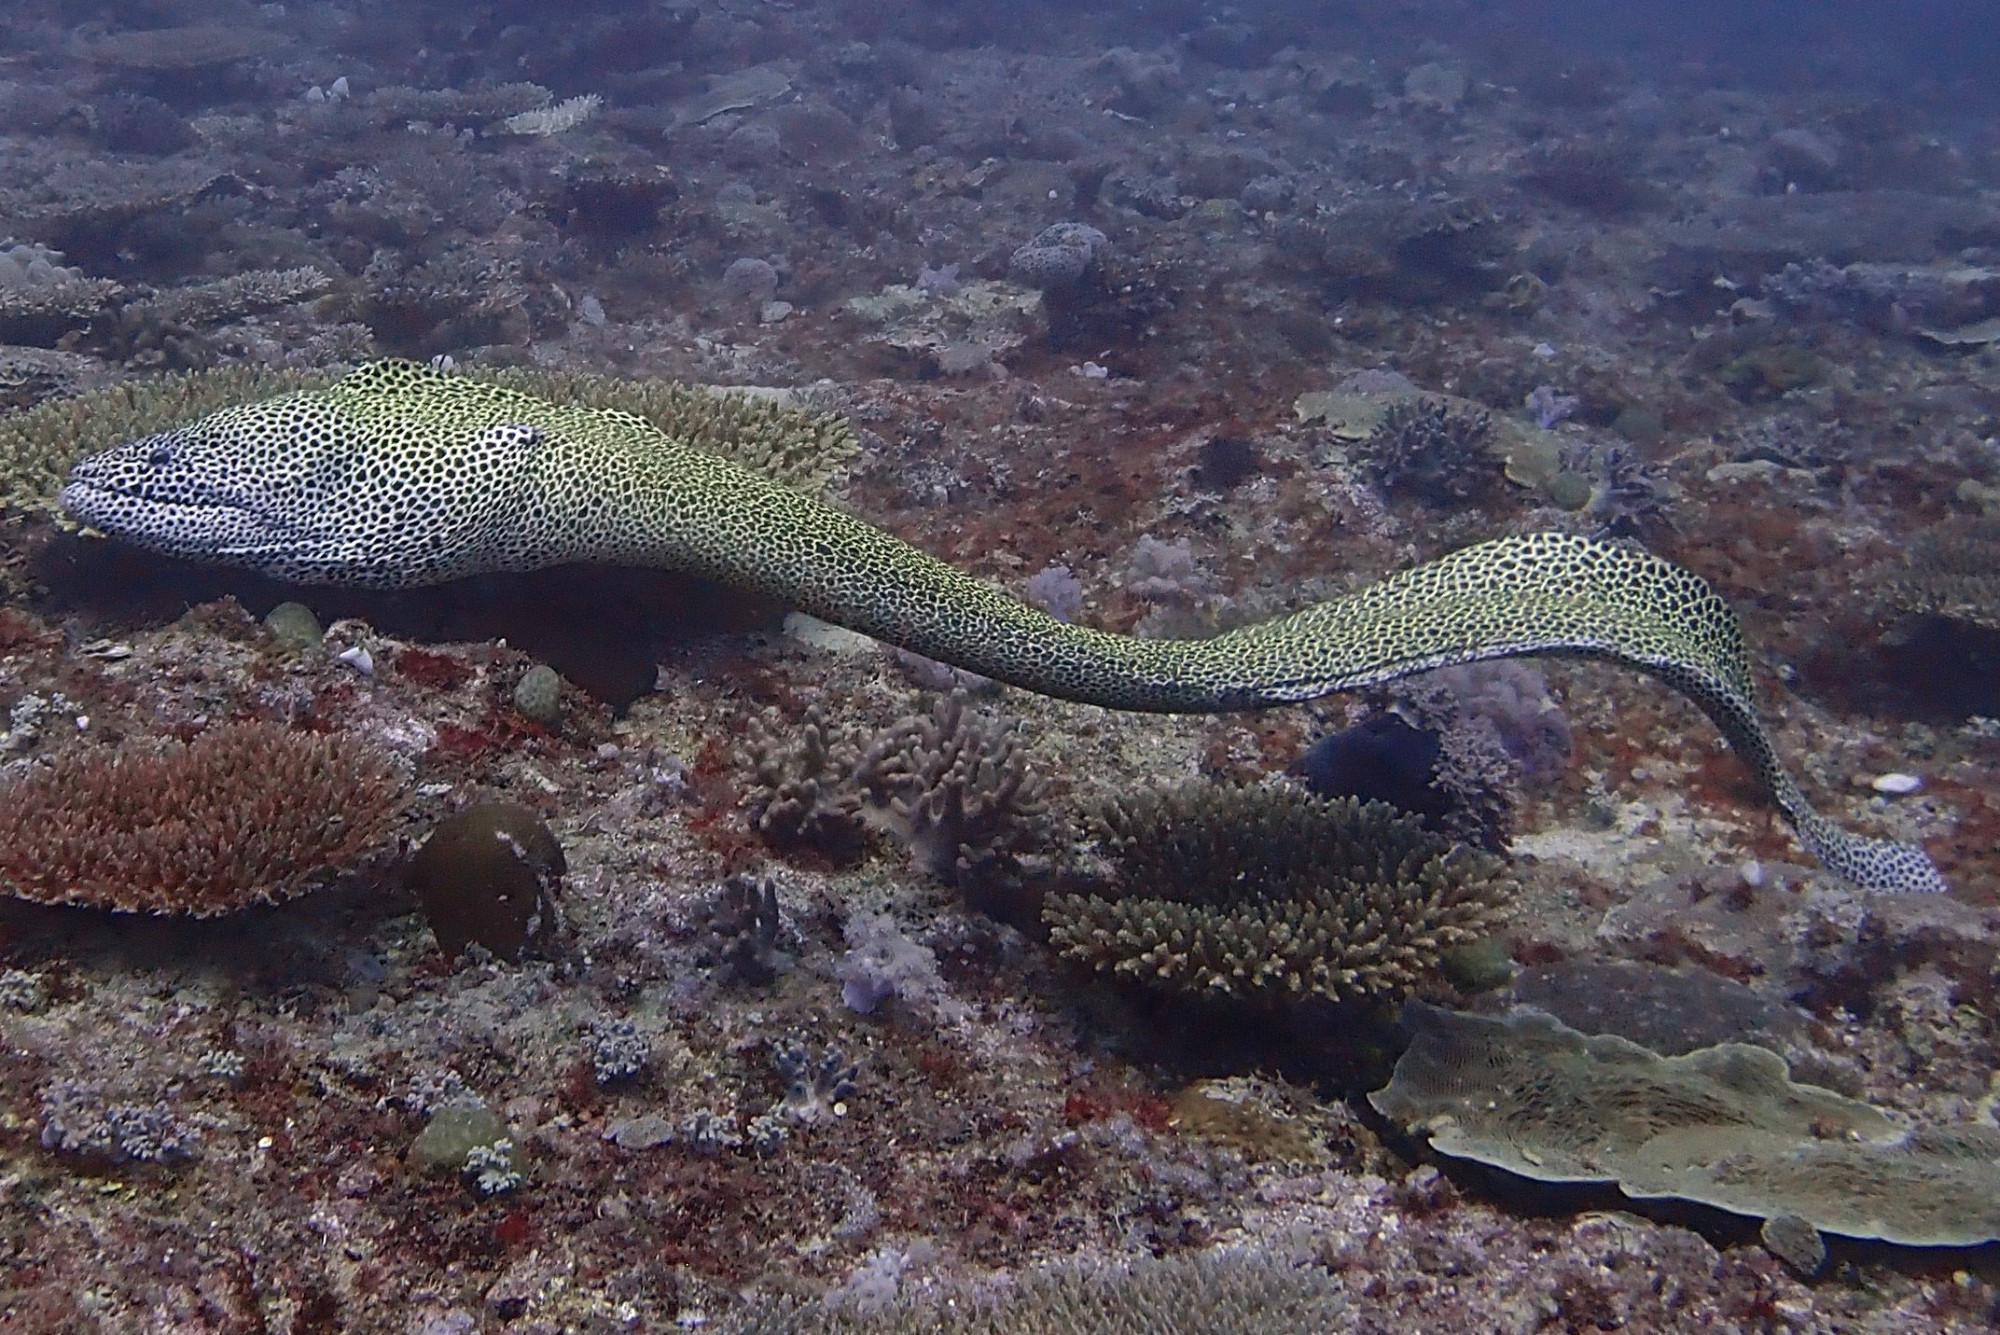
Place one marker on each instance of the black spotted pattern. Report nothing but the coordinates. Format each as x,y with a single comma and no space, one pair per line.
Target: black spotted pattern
400,475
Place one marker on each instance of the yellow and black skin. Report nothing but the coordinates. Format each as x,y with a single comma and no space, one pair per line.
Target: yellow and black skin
400,475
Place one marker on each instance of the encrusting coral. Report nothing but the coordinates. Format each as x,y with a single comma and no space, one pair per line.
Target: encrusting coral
1725,1126
1270,894
245,814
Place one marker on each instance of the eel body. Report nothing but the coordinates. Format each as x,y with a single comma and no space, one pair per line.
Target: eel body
399,475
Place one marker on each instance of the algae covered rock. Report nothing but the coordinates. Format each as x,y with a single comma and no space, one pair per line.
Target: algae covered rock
453,1133
1723,1126
538,695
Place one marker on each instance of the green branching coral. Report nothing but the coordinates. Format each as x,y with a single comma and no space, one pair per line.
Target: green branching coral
1242,1292
1269,894
797,447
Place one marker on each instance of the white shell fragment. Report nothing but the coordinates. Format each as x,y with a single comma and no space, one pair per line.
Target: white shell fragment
359,659
1896,785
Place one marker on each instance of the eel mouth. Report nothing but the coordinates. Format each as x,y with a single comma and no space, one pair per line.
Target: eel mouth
211,530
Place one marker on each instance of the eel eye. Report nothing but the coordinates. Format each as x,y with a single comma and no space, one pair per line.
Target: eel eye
159,456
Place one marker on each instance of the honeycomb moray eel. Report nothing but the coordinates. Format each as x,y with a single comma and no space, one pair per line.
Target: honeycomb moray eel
400,475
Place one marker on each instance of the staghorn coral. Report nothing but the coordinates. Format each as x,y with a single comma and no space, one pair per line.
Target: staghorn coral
1951,570
1424,450
954,786
1236,1292
247,813
1269,894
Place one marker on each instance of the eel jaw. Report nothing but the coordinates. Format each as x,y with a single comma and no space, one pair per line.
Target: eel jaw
211,530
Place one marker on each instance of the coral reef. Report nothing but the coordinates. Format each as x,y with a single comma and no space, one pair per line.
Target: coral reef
1728,288
1270,895
244,814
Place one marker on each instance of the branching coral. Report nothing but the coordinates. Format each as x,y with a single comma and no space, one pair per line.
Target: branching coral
798,792
232,298
1424,450
956,787
746,925
245,814
41,297
1271,895
166,326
